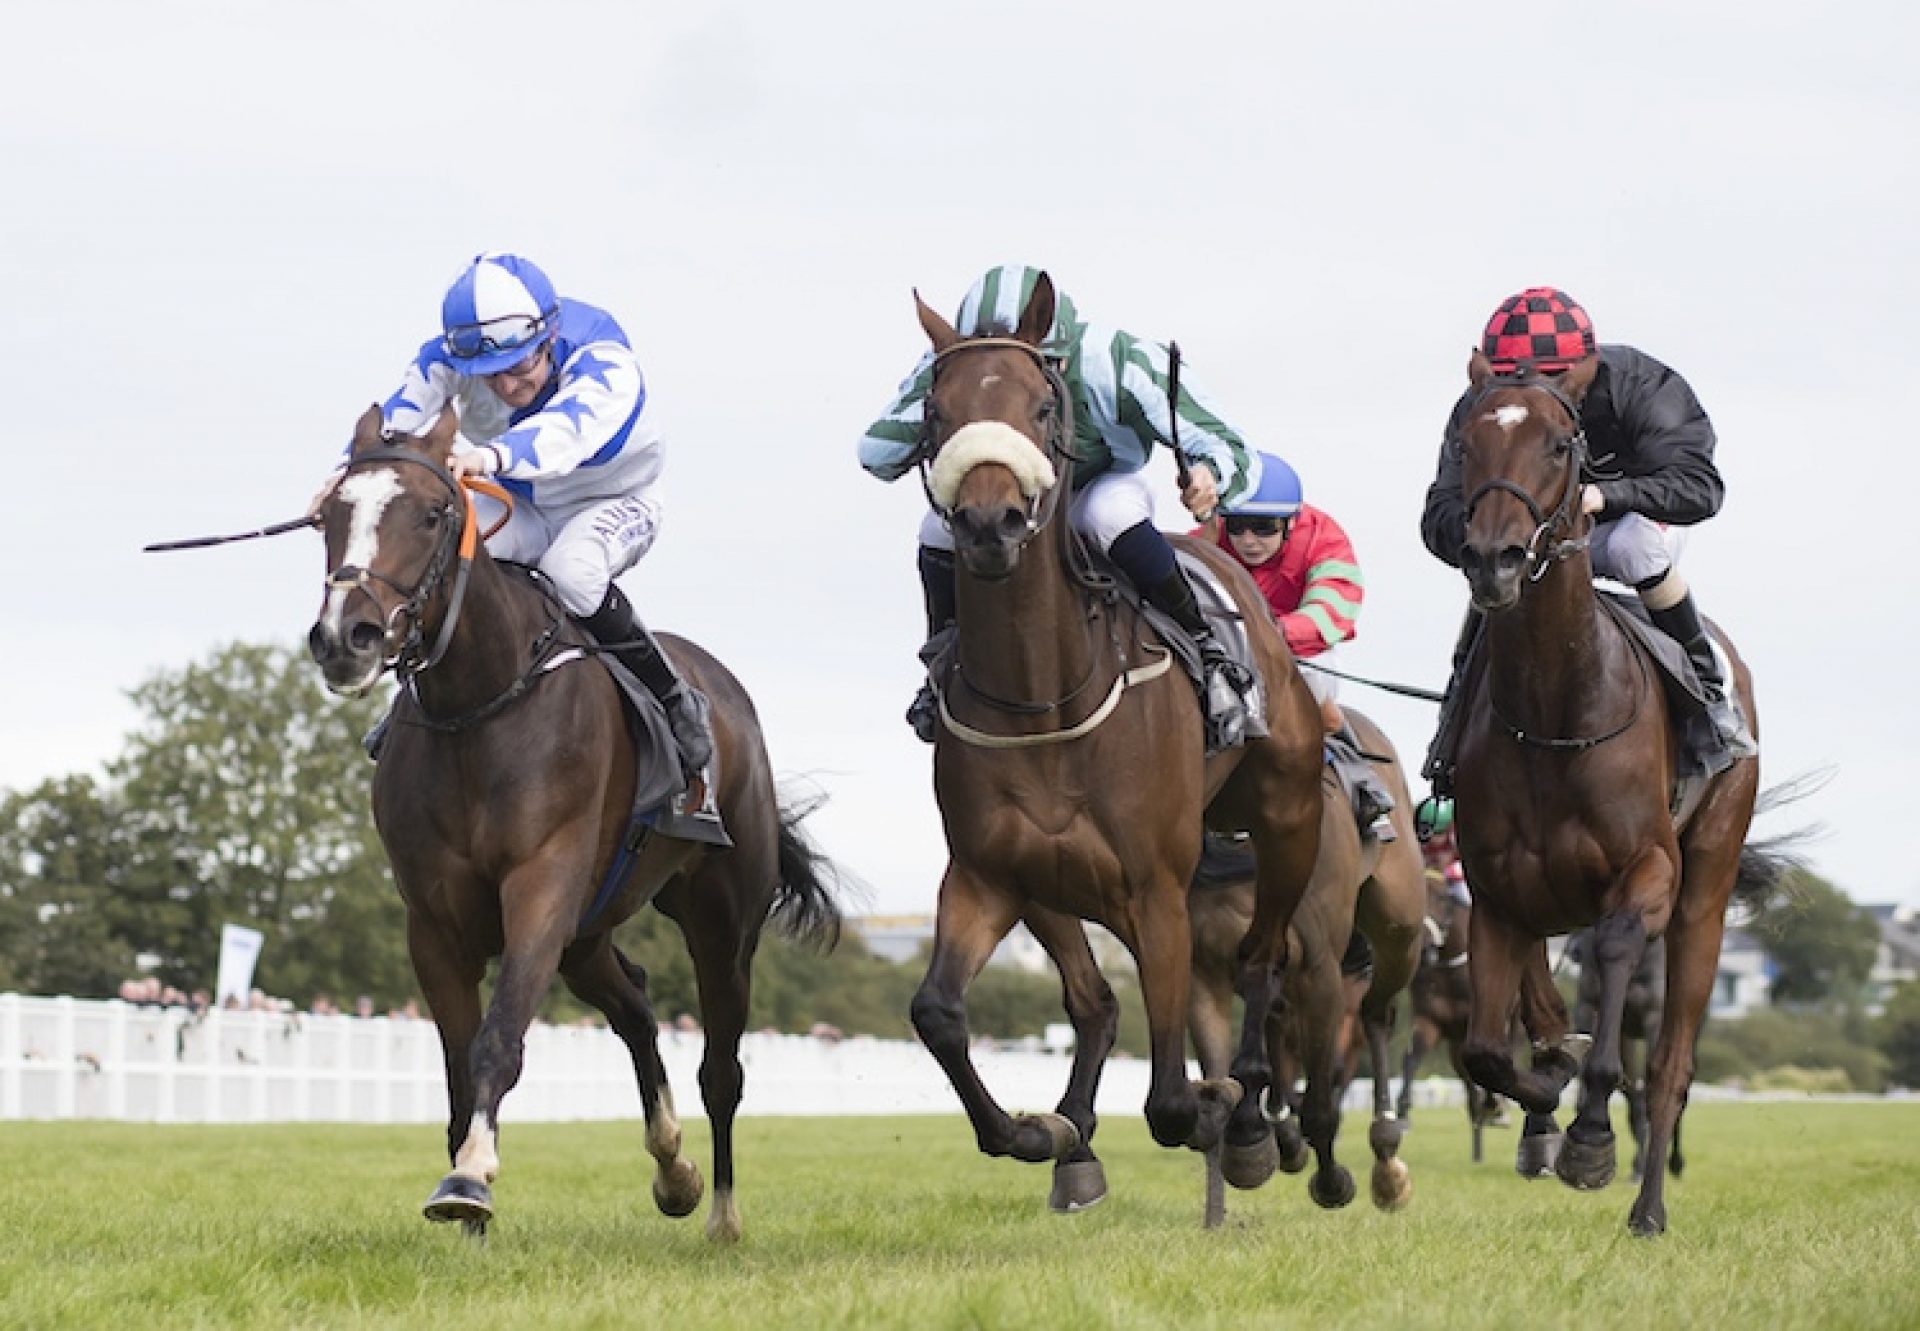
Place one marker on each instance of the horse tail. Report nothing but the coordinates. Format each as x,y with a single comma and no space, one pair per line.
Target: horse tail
1767,867
803,906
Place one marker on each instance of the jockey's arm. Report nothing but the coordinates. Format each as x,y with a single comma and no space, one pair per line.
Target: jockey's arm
1207,441
889,446
1673,440
597,406
1443,524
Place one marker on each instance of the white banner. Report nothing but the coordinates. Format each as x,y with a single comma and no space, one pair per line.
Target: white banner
239,949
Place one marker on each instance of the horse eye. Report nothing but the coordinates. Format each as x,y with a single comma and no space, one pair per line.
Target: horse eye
434,516
1560,447
1044,412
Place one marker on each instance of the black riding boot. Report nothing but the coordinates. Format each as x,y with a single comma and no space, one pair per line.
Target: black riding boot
614,625
1438,768
1228,684
936,584
1682,623
1371,799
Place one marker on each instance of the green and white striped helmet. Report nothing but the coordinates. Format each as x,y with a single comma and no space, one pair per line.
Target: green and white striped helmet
996,300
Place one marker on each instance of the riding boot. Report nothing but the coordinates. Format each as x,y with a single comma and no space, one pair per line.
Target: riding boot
936,584
1368,793
614,625
1681,622
1229,685
1438,768
375,740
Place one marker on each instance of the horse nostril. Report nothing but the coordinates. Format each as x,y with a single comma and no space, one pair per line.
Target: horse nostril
319,644
1012,523
364,637
1512,559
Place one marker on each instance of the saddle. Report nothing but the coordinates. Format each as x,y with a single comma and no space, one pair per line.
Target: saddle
1223,616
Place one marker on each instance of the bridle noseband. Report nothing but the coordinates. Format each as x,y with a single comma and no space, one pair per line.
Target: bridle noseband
1566,514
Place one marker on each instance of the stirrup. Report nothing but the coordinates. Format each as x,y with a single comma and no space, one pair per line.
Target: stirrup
923,713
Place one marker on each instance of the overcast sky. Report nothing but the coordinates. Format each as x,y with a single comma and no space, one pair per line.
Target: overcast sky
224,228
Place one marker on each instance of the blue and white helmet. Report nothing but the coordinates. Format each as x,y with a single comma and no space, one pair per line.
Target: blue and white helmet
496,313
1277,495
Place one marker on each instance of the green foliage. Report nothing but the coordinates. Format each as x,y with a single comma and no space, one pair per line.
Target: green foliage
1771,1038
1806,1081
1821,943
1898,1034
65,925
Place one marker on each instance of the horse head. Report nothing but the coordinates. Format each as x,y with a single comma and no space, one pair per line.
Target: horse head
1521,455
393,525
994,434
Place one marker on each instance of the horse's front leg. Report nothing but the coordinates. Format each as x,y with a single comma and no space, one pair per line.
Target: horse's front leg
1161,936
1210,1024
1079,1180
973,916
1619,939
450,982
1320,1003
538,919
1499,957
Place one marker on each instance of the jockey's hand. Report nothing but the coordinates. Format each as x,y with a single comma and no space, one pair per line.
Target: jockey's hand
473,462
1591,500
1202,494
323,494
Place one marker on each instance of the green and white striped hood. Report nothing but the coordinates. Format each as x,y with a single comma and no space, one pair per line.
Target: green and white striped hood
996,301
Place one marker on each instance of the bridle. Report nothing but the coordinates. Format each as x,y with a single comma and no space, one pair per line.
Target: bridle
1566,514
459,536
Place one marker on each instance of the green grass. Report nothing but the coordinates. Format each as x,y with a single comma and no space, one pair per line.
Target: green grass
1790,1215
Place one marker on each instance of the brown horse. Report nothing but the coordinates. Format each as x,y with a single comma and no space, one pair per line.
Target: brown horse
1442,1000
1070,768
1567,767
1365,883
1640,1019
504,797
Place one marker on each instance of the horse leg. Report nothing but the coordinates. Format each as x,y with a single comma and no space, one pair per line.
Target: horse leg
1587,1161
1693,953
1283,1100
1499,959
1321,1007
1419,1041
1396,956
972,918
722,950
538,921
451,985
1079,1180
1210,1023
1285,853
1178,1113
601,976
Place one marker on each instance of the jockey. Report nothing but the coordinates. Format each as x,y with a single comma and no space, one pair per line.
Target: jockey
1651,448
1304,565
553,405
1120,410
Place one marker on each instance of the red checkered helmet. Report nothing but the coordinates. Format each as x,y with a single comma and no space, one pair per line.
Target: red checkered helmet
1542,328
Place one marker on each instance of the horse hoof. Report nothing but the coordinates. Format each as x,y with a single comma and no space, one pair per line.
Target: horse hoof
723,1221
1041,1137
1536,1155
1331,1188
460,1198
677,1188
1392,1184
1293,1145
1076,1186
1248,1167
1646,1222
1587,1166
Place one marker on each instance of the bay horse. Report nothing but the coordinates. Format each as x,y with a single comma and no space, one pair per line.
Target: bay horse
1366,884
1071,774
504,795
1566,770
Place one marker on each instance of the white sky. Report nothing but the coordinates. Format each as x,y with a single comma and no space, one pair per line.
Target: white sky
224,227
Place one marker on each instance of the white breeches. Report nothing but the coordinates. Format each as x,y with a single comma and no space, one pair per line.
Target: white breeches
581,546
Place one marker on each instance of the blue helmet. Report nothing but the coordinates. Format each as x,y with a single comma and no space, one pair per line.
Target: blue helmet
496,313
1277,496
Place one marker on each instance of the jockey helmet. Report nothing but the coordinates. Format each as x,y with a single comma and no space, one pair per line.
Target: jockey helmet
497,313
1541,329
1277,495
996,301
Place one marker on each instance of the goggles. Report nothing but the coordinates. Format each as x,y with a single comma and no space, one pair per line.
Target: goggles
508,333
1251,526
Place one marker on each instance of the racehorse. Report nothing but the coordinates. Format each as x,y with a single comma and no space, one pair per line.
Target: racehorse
1370,884
1070,768
1441,999
1639,1025
504,796
1566,769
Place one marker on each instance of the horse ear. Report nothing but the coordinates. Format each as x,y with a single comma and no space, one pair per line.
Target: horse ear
439,440
1579,378
938,329
366,431
1479,368
1036,321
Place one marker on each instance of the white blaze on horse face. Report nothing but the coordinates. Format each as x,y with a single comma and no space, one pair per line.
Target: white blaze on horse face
368,493
478,1156
1508,416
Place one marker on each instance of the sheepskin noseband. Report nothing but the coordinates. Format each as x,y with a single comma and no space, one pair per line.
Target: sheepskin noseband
989,441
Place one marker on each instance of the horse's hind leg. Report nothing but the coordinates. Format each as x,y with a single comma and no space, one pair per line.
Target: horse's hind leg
971,921
1321,1006
722,950
598,974
1395,924
1079,1180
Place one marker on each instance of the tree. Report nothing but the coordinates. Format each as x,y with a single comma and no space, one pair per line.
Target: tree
1899,1034
245,797
1822,945
62,920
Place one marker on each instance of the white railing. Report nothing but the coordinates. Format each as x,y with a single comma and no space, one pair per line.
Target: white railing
76,1058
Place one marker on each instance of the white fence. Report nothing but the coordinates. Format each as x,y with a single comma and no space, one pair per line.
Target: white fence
76,1058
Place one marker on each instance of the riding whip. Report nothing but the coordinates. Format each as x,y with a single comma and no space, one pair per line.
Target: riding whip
200,542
